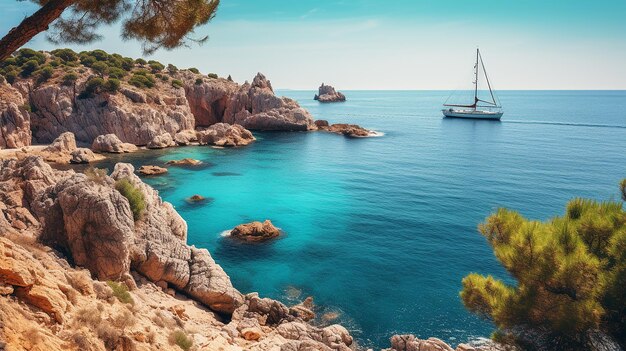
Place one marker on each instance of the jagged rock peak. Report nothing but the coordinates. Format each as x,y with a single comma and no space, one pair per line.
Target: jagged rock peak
260,81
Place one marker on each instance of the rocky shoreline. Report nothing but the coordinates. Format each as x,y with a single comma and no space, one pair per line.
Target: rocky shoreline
97,261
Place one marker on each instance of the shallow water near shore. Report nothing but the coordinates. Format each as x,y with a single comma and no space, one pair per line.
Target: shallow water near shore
381,230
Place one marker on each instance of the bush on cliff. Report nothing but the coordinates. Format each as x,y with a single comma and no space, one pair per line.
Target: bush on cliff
112,85
29,67
570,272
181,339
100,67
120,291
177,83
156,66
199,81
67,55
142,79
45,73
93,87
212,75
116,73
69,79
134,195
194,70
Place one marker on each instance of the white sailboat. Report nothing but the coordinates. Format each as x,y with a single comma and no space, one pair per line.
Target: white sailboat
487,108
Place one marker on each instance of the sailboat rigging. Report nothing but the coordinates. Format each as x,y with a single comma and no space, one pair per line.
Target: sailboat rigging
487,108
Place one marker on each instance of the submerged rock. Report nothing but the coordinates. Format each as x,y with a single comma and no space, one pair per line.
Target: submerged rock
327,93
152,170
184,162
196,199
255,231
224,134
112,144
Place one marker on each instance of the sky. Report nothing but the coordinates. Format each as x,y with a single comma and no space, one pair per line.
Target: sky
399,44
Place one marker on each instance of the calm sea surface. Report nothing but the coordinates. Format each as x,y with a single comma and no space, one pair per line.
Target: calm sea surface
382,230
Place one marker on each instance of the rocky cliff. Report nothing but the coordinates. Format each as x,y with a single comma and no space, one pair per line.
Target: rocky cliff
95,93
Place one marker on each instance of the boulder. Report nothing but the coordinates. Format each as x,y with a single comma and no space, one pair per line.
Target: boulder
349,130
321,123
185,137
411,343
112,144
15,128
152,170
161,141
255,231
64,143
303,310
82,155
327,93
224,134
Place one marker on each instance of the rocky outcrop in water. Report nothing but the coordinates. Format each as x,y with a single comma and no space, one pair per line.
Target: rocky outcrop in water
256,107
14,119
327,93
224,134
255,231
349,130
152,170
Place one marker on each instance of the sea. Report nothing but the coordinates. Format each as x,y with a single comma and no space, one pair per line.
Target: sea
380,231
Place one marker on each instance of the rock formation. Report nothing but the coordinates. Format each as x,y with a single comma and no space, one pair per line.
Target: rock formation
327,93
255,231
152,170
349,130
184,162
223,134
161,141
112,144
256,107
14,119
185,137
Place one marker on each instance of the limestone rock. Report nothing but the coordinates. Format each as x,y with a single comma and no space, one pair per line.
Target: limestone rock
112,144
256,107
15,129
82,155
184,162
185,137
303,310
349,130
161,141
327,93
223,134
152,170
65,143
208,101
321,123
411,343
255,231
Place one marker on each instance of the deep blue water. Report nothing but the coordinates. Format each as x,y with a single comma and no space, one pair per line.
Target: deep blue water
382,230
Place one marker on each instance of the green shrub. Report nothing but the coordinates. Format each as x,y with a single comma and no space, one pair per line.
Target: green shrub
44,74
570,272
177,83
141,61
134,195
199,81
2,79
99,55
128,63
230,79
87,60
67,55
212,75
156,66
11,61
194,70
165,78
101,68
93,87
181,339
55,63
29,67
120,291
27,107
117,73
171,68
25,55
69,79
112,85
10,76
142,80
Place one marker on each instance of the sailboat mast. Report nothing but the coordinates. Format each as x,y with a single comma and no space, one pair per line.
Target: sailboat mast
476,80
482,63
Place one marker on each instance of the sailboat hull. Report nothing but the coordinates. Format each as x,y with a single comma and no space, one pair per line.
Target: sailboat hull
472,114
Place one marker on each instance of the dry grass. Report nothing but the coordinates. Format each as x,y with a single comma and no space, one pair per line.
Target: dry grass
88,316
81,281
123,320
178,337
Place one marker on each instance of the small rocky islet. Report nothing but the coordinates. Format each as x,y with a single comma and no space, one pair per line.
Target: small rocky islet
100,260
327,93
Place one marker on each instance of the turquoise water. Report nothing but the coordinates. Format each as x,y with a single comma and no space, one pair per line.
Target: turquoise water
382,230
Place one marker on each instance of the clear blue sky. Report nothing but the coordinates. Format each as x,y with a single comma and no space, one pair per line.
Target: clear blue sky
399,44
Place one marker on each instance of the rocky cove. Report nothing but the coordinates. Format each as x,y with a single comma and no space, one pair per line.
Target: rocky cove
73,244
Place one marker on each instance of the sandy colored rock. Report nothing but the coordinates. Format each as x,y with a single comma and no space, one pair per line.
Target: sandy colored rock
15,128
112,144
349,130
255,231
184,162
223,134
82,155
327,93
185,137
161,141
152,170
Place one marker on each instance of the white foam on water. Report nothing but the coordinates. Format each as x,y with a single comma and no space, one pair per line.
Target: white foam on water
225,233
